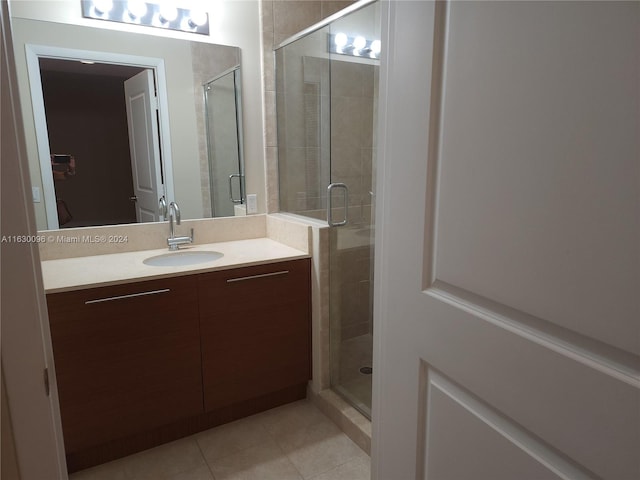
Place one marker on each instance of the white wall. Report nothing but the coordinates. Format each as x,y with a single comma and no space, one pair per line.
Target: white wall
233,23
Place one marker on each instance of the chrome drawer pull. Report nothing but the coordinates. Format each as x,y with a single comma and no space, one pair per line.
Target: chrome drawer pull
240,279
131,295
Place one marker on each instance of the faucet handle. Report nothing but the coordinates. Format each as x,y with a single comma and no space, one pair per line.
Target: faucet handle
191,236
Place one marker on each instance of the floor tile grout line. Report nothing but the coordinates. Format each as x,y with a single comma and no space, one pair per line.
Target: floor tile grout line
204,458
330,420
350,459
275,442
284,455
316,475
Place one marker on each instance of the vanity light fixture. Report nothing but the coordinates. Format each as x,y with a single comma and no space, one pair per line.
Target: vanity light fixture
197,18
162,14
376,47
357,46
168,13
340,41
136,9
102,7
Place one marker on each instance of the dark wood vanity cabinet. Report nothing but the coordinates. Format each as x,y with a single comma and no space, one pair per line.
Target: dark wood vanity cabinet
255,330
127,358
145,363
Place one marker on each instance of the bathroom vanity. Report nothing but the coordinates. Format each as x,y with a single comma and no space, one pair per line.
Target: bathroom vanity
168,351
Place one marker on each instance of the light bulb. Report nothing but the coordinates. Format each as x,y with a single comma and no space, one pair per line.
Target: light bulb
376,47
197,18
340,40
136,8
359,43
103,6
168,13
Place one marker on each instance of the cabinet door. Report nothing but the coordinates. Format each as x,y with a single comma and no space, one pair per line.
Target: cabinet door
127,358
255,330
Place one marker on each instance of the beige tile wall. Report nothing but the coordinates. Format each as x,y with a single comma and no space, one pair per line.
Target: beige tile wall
280,20
89,241
352,126
326,104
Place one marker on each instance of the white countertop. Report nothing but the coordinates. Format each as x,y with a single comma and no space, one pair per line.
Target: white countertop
101,270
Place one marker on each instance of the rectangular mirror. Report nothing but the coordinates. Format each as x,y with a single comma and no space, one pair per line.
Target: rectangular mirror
178,69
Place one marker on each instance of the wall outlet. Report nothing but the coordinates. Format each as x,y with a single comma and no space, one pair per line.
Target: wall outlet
252,203
35,192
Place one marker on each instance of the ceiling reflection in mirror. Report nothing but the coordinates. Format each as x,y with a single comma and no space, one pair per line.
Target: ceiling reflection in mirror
83,120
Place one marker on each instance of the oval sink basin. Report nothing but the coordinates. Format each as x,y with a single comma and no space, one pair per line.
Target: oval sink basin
179,259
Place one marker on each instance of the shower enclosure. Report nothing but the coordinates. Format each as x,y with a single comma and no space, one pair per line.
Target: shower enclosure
223,117
327,83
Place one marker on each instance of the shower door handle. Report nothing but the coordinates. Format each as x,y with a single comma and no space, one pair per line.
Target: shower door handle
330,189
231,177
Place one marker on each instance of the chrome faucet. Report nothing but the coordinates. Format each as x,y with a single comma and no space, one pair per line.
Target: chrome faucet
173,241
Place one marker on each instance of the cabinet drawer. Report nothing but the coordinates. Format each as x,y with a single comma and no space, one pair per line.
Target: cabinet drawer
127,358
255,330
268,285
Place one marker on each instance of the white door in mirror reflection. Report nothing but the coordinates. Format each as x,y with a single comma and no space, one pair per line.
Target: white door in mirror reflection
143,142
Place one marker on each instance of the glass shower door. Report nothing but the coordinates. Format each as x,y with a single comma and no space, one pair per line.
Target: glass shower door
304,109
353,80
326,113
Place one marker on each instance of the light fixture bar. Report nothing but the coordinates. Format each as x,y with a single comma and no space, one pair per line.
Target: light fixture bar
356,46
139,12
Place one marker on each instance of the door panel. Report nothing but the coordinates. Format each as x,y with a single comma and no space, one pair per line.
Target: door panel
507,315
144,144
522,138
460,423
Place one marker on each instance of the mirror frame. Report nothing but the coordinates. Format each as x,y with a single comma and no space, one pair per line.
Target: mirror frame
33,54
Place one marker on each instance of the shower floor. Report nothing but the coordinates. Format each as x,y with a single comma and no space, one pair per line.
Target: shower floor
356,353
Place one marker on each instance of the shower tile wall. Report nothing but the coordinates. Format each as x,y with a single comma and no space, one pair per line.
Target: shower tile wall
352,313
304,133
328,125
352,126
353,90
280,20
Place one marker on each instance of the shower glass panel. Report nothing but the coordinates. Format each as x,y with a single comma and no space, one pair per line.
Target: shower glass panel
327,105
224,142
303,105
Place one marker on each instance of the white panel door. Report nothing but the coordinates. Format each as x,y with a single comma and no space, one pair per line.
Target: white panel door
144,145
508,251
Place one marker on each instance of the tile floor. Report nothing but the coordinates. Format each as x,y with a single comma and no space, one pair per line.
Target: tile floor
291,442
